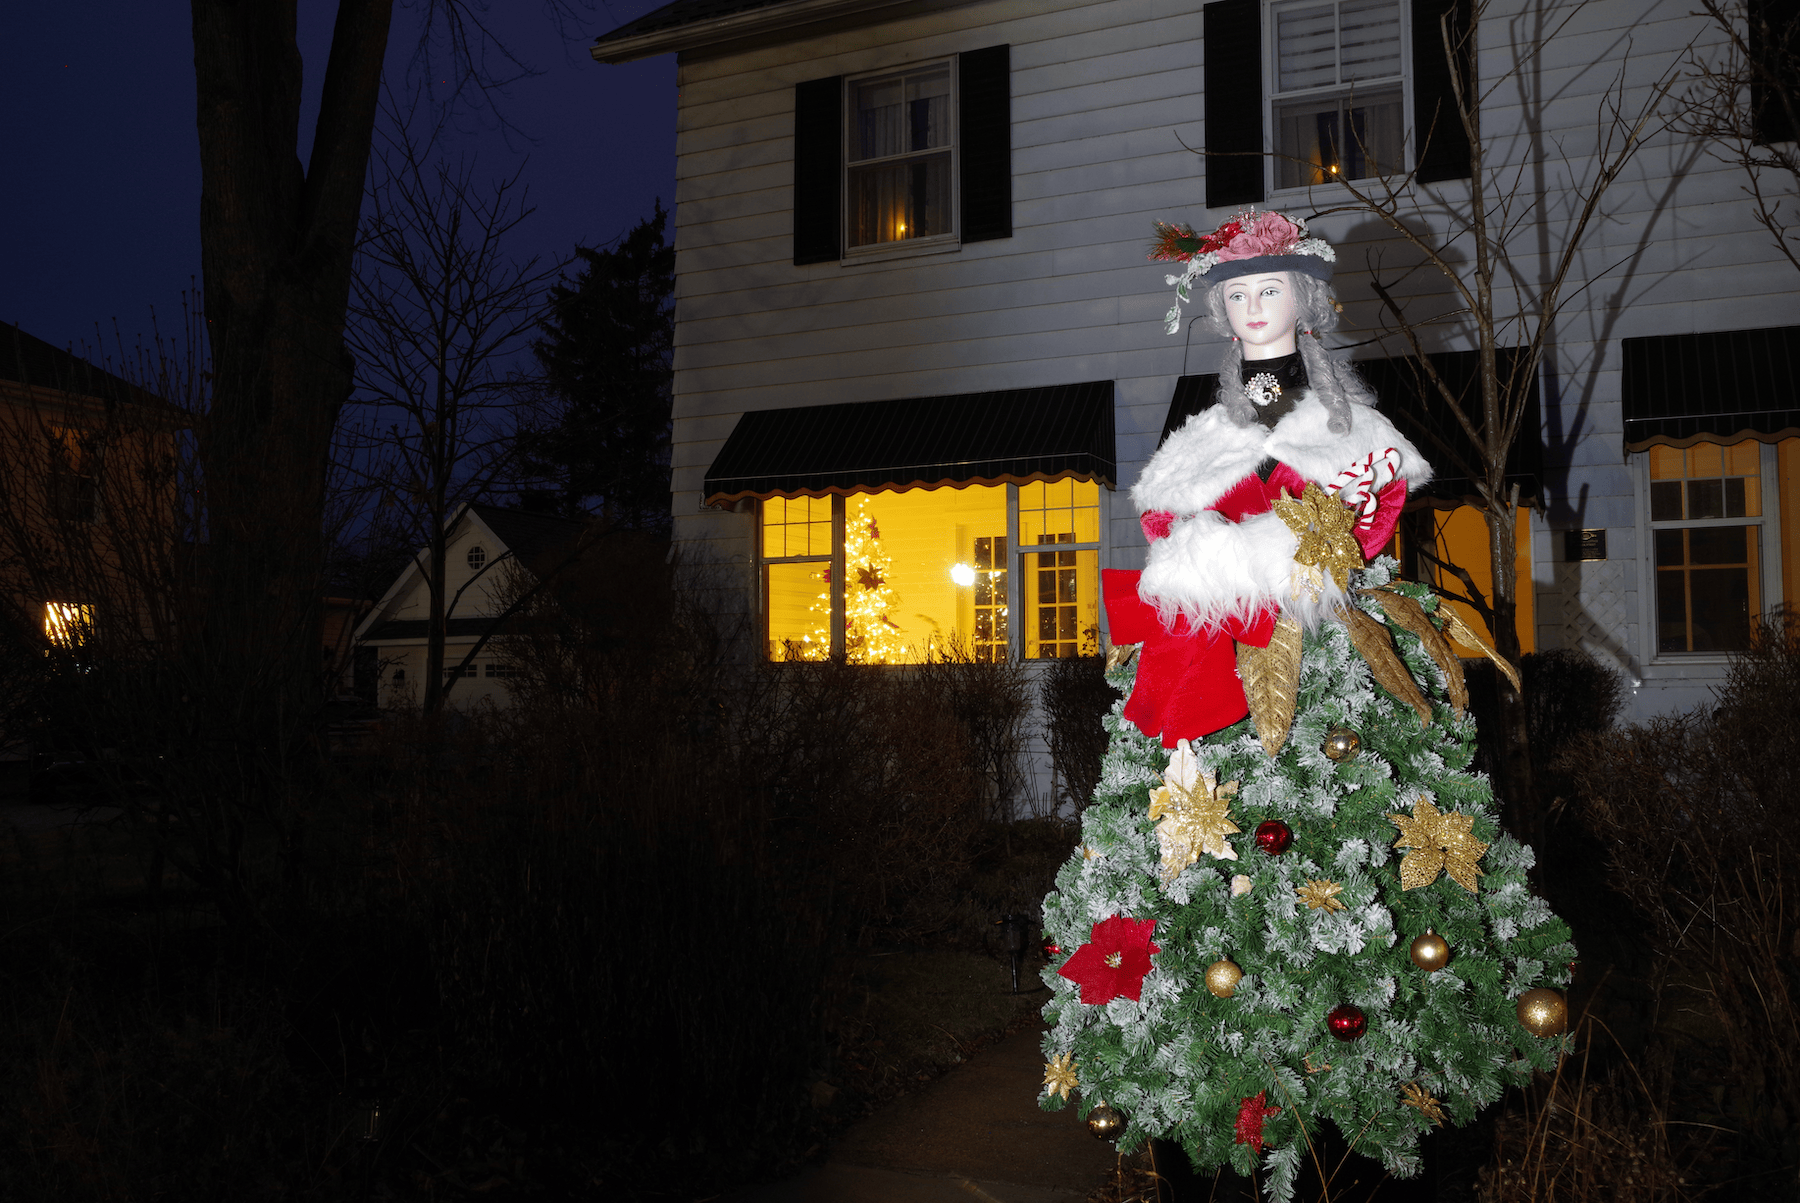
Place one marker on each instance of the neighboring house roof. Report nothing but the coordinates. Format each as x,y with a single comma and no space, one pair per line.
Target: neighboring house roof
531,538
692,24
30,361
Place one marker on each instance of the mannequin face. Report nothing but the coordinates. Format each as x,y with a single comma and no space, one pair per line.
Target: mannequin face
1261,309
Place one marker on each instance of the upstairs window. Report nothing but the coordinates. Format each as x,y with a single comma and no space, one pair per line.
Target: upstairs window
74,483
921,156
1337,102
477,558
898,161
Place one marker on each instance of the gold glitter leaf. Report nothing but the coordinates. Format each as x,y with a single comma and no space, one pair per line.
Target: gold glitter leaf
1440,842
1271,677
1326,528
1375,646
1406,612
1468,636
1120,653
1059,1074
1321,896
1193,812
1413,1095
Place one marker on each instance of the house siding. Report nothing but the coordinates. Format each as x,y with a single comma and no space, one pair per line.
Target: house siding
1107,113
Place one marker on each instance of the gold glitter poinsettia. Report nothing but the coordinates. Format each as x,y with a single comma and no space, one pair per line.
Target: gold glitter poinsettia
1194,814
1413,1095
1326,528
1440,841
1321,896
1059,1074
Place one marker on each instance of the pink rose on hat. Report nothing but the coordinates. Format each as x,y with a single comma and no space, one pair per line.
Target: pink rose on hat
1270,234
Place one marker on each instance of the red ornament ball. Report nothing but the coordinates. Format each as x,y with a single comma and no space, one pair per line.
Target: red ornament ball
1052,949
1347,1022
1273,836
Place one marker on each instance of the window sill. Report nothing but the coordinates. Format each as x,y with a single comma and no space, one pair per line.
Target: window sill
911,249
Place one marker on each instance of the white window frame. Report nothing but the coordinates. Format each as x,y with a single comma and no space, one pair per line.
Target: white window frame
905,247
1015,567
1657,662
1271,98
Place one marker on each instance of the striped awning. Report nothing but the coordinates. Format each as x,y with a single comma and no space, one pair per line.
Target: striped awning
1015,435
1682,389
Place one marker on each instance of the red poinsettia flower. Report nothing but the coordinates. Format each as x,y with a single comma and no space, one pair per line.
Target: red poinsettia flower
1251,1114
1114,963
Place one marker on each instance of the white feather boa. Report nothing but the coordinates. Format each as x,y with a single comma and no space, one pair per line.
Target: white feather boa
1209,568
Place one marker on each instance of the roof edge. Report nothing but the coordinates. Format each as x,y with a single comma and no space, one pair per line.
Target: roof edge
728,28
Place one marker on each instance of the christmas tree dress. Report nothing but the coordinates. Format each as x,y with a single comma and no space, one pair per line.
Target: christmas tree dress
1292,901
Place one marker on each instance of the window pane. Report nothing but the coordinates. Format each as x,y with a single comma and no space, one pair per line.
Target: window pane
799,601
1062,600
910,199
1665,501
1734,497
1787,480
1703,459
796,526
1370,37
928,110
1718,545
924,570
1706,499
1670,550
880,119
1306,49
1050,511
1322,140
1721,605
1671,612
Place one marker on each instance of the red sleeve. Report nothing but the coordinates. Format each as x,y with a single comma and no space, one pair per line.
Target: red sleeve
1129,619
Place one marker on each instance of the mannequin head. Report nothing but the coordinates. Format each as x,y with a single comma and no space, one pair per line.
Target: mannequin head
1261,310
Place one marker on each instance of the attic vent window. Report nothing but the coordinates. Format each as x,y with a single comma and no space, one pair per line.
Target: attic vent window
477,558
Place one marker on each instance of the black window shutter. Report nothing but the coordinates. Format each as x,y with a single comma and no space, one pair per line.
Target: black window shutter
1774,29
1437,128
1232,44
818,169
984,82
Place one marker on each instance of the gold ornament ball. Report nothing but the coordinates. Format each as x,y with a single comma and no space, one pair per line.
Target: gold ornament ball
1430,952
1543,1012
1222,978
1342,744
1106,1123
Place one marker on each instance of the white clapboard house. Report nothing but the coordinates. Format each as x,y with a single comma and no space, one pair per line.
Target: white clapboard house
919,349
490,551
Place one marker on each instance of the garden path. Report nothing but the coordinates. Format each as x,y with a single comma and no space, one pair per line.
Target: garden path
976,1135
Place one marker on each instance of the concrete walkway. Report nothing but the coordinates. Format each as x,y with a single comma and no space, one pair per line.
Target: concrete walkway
975,1135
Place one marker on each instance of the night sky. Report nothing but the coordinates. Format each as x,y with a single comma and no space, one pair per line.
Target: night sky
100,207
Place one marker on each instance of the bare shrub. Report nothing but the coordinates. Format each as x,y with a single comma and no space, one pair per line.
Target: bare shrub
1076,698
1696,813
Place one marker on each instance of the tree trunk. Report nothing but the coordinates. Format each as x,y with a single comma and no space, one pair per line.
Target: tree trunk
276,241
276,244
1512,769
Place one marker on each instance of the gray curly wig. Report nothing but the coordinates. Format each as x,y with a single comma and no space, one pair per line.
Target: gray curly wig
1330,376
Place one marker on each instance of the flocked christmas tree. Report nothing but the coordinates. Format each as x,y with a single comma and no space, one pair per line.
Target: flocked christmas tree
1308,913
1336,931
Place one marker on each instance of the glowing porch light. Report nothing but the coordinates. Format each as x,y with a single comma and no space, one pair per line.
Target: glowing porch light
962,574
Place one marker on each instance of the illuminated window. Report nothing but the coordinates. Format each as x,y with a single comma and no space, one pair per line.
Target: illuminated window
1337,102
901,135
933,571
68,624
1459,537
1708,528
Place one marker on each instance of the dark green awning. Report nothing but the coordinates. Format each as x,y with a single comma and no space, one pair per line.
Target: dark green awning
1015,435
1681,389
